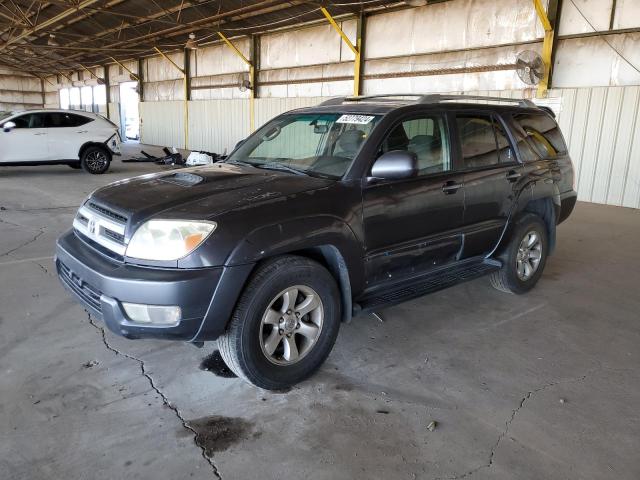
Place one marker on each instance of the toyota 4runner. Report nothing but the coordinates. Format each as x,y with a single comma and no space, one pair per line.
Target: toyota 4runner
323,213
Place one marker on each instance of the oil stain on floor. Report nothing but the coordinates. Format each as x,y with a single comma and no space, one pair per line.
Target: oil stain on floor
217,433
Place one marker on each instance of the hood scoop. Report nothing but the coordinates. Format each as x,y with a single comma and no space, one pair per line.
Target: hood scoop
184,179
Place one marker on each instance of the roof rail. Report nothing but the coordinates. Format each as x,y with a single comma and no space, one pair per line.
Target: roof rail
384,96
429,98
437,98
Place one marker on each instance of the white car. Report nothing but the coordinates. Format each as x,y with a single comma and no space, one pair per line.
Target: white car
45,137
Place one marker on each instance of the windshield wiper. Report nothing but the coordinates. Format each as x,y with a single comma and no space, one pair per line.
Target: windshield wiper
278,166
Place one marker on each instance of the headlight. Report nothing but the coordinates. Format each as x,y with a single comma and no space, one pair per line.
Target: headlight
168,239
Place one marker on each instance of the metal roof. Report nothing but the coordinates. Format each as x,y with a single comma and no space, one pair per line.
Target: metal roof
53,36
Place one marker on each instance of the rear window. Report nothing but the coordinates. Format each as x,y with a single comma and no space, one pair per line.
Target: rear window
541,133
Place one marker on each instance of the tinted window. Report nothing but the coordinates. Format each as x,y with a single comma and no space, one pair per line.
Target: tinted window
427,138
65,120
542,133
477,140
29,120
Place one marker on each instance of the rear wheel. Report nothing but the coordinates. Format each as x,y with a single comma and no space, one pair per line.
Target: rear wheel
95,160
285,324
524,258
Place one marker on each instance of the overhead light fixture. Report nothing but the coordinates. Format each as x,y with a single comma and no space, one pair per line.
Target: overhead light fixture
416,3
52,41
191,43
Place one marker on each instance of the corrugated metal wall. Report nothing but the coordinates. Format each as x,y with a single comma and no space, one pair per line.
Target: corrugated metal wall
162,123
217,125
602,129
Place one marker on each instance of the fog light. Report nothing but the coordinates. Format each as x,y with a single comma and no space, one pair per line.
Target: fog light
152,314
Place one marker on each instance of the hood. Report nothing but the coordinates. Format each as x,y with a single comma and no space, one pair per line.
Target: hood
201,192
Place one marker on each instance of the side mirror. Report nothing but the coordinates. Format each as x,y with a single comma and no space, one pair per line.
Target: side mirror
8,126
395,165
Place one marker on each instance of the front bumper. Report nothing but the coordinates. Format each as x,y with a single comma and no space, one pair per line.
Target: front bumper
206,296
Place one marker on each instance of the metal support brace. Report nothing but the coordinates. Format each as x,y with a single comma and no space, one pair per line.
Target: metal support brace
547,48
356,49
125,67
252,75
186,95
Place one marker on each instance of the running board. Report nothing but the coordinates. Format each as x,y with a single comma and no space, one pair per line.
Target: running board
428,284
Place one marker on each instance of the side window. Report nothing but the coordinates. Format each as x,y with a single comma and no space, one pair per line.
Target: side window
542,133
77,120
30,120
54,120
427,138
477,140
22,121
483,141
65,120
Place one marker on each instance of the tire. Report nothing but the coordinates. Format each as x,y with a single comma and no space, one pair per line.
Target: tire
95,160
262,319
515,276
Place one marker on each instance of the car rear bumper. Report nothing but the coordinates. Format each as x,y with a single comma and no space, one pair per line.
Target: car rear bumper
205,296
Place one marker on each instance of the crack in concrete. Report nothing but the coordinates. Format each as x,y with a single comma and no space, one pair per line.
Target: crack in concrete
23,244
165,400
508,422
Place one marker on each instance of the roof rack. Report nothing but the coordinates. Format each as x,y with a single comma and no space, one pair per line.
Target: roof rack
429,99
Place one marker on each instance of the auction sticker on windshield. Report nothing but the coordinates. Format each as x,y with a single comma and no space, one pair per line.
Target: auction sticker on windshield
359,119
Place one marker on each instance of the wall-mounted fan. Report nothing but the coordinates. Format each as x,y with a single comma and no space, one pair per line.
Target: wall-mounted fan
530,67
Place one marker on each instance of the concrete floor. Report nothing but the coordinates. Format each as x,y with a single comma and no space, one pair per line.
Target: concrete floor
541,386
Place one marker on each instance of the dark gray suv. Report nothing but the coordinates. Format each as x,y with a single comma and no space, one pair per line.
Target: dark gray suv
323,213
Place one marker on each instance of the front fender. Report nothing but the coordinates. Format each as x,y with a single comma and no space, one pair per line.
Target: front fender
303,233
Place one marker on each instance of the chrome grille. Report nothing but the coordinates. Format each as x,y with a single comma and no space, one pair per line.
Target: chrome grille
102,226
107,212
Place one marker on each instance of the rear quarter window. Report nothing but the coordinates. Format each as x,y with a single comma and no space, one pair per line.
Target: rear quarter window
540,133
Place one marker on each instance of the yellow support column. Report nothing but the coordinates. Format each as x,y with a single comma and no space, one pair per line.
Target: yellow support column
547,48
356,49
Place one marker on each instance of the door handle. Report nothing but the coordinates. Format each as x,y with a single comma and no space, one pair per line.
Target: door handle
82,131
41,133
451,187
513,175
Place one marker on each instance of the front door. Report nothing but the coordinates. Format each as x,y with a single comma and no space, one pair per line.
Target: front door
490,179
27,142
412,225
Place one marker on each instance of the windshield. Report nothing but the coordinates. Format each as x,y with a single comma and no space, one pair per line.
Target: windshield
4,115
323,144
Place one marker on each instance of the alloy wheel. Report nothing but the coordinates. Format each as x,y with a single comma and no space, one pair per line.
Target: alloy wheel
529,255
291,325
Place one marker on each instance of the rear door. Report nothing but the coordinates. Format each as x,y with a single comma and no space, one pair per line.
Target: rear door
413,225
67,133
491,174
27,142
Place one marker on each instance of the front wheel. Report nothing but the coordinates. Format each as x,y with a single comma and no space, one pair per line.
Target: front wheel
285,323
95,160
524,258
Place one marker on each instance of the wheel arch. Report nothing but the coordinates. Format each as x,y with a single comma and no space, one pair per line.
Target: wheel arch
86,145
330,242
